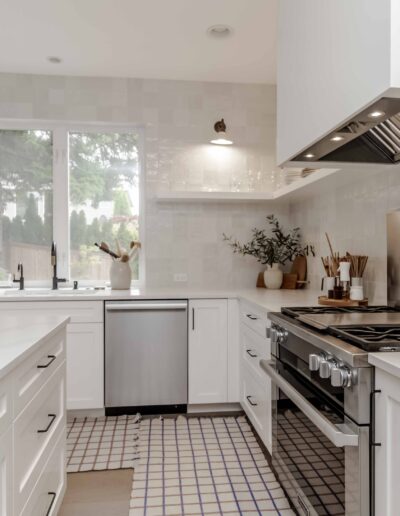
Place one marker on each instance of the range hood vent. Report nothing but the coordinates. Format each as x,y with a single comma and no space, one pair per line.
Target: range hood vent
372,137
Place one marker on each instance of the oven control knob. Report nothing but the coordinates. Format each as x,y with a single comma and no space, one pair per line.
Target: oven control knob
313,362
340,377
281,335
325,367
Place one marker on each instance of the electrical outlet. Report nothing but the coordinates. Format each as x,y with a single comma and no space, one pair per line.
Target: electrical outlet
180,277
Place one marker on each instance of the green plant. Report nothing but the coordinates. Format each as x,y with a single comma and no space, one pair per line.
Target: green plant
276,247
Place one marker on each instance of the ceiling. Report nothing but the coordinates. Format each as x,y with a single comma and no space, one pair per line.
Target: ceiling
160,39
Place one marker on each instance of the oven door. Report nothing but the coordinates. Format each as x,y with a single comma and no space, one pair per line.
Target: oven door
319,455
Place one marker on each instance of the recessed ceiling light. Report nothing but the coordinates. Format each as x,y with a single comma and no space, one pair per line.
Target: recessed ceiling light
54,59
309,155
337,138
219,31
376,114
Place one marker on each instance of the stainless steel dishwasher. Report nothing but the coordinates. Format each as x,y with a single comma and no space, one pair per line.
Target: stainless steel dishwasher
146,357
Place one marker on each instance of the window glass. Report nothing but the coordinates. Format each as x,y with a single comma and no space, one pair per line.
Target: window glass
26,198
104,200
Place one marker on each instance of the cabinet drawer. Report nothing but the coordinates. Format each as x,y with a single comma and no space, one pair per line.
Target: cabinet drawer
256,402
48,492
254,319
36,431
34,372
254,349
6,403
78,311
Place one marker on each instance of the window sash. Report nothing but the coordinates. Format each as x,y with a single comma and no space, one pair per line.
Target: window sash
61,226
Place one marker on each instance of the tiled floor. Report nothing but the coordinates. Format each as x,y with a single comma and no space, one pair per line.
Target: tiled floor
98,493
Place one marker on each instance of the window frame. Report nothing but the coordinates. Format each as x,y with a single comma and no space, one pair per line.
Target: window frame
61,207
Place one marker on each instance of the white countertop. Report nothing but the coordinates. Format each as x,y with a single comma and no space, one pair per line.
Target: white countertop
389,362
21,335
270,300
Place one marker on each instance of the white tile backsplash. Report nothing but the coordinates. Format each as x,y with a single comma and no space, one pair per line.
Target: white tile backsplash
354,216
178,118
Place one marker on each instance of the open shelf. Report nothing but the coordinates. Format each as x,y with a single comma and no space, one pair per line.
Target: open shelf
246,196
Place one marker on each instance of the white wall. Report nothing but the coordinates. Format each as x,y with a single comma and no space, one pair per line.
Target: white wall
178,117
354,216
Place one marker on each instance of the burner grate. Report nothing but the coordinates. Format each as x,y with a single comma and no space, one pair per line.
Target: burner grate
305,310
370,337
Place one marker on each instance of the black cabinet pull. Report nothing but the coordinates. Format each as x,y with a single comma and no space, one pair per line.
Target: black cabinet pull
252,317
372,416
53,418
248,351
251,403
53,497
52,358
193,319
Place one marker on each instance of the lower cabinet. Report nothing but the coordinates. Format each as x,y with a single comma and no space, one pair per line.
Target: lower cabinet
6,473
387,455
208,351
255,386
85,366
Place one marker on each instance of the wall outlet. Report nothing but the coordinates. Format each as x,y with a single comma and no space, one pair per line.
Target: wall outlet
181,276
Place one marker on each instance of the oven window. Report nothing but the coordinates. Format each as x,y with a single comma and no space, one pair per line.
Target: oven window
315,466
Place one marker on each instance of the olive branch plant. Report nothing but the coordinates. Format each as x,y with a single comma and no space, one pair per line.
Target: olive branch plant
275,247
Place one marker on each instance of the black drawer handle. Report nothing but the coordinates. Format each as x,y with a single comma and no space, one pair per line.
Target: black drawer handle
248,351
252,317
53,418
251,403
52,358
53,497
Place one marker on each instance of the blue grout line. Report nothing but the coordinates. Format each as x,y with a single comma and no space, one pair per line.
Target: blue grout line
195,469
179,468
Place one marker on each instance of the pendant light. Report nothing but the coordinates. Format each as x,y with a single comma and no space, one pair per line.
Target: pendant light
220,129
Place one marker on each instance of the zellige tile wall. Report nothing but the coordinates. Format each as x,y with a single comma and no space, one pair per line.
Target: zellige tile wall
177,117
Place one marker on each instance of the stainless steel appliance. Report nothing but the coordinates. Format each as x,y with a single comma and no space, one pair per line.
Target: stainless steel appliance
372,136
323,385
146,356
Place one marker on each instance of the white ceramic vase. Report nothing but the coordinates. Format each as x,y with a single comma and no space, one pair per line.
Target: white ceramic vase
273,276
120,275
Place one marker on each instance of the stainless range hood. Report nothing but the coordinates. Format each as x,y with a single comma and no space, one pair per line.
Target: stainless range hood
373,136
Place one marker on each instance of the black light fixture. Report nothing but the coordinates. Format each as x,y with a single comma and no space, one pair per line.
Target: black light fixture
220,129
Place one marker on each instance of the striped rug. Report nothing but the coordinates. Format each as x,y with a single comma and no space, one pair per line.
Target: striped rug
100,443
202,466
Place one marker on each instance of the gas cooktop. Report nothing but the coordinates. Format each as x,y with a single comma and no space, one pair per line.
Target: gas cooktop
302,310
371,328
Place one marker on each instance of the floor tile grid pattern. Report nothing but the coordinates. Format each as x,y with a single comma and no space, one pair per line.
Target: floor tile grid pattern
102,443
202,466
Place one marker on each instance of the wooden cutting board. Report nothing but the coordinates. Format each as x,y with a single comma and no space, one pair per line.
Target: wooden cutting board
299,267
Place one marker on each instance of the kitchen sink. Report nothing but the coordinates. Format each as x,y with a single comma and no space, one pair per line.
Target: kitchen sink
49,292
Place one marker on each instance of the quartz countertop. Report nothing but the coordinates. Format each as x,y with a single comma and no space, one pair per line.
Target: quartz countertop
269,300
388,361
22,335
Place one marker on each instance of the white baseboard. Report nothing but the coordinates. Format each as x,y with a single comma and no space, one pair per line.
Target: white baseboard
214,408
85,413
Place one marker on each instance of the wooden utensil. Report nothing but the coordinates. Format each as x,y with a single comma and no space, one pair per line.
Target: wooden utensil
299,267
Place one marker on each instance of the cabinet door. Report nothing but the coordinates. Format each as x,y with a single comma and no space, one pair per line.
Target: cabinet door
6,474
85,366
208,351
387,456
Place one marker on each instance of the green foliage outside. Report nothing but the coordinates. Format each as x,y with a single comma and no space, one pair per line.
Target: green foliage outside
102,168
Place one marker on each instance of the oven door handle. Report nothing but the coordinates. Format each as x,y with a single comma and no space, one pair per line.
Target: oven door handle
339,435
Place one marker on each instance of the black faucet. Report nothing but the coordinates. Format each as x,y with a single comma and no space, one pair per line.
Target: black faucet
56,280
21,279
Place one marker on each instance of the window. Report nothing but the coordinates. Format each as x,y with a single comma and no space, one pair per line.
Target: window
75,185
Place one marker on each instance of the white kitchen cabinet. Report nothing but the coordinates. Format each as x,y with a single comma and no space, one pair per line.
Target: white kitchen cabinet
387,456
255,386
208,351
85,366
6,473
334,59
84,347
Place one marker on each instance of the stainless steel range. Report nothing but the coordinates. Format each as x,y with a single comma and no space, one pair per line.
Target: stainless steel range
323,403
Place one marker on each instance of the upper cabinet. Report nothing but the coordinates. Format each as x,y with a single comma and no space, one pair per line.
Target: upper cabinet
338,62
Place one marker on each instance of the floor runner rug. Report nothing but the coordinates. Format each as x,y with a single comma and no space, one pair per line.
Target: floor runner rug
101,443
203,465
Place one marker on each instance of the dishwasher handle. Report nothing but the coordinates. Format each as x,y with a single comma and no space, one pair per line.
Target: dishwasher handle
112,307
